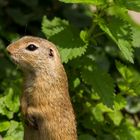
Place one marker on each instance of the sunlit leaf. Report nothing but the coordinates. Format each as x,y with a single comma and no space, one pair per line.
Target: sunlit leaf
95,2
72,46
120,32
102,83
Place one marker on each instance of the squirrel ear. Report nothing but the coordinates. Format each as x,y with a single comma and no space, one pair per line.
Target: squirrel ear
51,53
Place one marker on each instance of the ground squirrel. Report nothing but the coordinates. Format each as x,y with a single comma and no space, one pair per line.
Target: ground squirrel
45,102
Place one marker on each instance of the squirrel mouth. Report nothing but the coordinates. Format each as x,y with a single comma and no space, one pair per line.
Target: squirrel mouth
14,60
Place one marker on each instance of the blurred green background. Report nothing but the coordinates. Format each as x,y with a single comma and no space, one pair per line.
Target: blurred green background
100,48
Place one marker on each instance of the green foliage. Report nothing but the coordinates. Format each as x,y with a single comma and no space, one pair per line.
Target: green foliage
120,32
56,30
100,47
131,4
95,2
102,83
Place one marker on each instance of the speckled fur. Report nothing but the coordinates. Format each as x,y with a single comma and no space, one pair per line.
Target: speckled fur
45,102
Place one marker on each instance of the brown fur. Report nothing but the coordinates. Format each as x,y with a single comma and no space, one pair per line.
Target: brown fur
45,102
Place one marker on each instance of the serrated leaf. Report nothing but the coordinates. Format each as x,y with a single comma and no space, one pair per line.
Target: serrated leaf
65,37
125,132
120,32
11,101
9,104
132,5
116,117
98,114
120,102
128,73
124,71
84,36
4,110
131,79
94,2
136,36
102,83
98,111
4,125
15,131
52,27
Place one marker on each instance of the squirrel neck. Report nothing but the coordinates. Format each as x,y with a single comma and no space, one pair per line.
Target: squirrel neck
46,82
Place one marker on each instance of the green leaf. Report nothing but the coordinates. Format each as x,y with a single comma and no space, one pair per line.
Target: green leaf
98,111
120,102
65,37
4,125
15,131
136,36
132,4
98,114
128,73
124,71
116,117
52,27
4,110
76,82
12,101
94,2
102,83
120,32
131,79
125,132
9,104
84,36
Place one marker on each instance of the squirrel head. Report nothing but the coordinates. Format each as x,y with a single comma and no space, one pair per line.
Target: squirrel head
34,54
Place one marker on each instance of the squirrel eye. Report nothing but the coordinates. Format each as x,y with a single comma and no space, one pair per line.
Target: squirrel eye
51,53
31,47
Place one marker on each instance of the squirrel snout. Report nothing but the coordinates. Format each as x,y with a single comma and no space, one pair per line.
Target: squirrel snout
9,51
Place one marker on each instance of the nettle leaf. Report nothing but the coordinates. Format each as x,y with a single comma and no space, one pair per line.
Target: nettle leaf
99,110
136,36
4,125
94,2
120,102
132,5
125,131
120,32
4,110
117,10
15,131
65,37
131,79
52,27
102,83
116,117
98,114
128,73
9,103
12,101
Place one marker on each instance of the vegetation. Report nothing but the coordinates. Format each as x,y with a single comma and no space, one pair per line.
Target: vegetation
100,48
